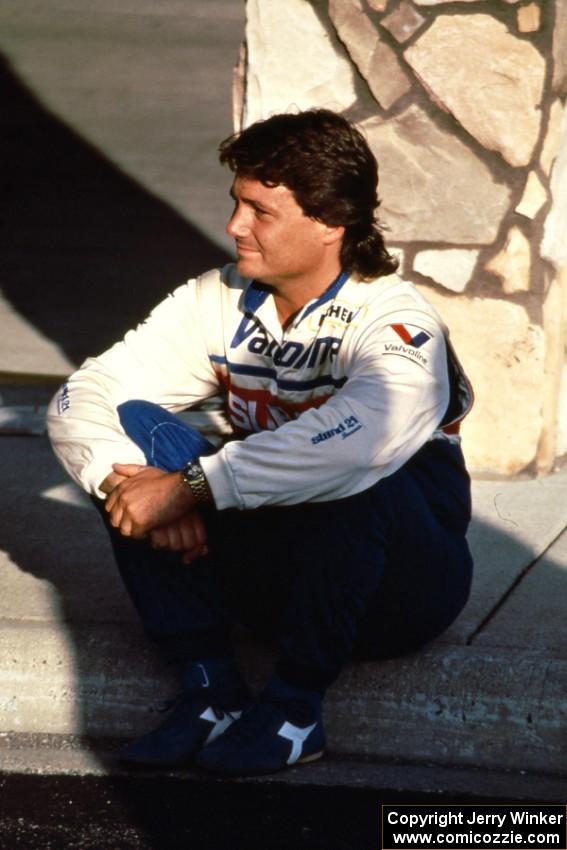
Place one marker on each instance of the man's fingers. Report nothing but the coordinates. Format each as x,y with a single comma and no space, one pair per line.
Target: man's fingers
128,469
175,538
188,537
115,512
159,538
125,528
194,553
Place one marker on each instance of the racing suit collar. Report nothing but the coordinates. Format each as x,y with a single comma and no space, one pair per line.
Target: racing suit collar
257,293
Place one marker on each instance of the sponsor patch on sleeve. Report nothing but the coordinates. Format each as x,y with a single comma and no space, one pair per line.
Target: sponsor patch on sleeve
408,341
63,400
350,425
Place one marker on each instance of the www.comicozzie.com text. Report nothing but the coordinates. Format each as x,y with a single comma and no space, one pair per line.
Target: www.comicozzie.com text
512,827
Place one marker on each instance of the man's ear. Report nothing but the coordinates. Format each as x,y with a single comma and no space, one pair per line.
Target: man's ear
331,234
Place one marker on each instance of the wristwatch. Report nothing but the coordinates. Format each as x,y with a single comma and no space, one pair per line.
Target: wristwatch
194,477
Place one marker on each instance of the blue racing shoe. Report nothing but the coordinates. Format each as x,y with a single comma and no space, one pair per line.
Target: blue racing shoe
214,696
281,729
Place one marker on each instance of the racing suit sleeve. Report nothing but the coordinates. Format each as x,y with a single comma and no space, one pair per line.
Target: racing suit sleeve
164,360
393,400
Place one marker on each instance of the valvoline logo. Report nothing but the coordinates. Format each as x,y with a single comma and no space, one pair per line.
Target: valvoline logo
416,340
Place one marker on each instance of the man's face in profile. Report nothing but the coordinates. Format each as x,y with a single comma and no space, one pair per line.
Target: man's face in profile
276,242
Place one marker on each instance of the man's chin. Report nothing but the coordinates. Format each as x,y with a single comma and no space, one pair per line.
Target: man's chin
247,267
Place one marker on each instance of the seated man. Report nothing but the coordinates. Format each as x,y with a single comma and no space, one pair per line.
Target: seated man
330,512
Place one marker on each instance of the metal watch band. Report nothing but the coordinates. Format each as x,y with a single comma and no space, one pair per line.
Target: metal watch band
194,477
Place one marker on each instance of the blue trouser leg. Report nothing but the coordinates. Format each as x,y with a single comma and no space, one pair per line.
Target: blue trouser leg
167,442
378,573
181,607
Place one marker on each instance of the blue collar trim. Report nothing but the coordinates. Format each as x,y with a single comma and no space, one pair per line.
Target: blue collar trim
331,292
257,293
255,296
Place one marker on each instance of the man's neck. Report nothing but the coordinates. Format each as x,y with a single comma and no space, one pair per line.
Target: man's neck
291,296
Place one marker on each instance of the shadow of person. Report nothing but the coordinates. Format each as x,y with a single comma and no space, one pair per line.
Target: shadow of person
86,252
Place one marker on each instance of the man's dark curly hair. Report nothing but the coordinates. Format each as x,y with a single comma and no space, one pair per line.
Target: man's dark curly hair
327,165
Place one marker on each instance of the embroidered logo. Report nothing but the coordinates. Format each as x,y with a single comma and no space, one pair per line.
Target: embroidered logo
344,429
63,400
415,340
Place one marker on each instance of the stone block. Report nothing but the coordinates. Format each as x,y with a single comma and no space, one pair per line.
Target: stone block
550,147
376,61
513,263
434,189
502,109
503,353
534,197
378,5
529,18
294,61
554,245
451,267
403,21
239,87
440,2
559,84
553,314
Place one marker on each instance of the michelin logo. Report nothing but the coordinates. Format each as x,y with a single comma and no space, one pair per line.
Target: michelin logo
344,429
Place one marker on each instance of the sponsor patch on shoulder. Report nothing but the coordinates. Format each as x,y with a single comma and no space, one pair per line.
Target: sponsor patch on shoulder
408,341
412,335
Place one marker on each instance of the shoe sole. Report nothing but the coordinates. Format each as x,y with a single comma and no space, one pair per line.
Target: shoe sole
312,757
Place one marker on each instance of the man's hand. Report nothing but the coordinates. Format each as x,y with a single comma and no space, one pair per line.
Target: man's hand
147,498
187,534
111,481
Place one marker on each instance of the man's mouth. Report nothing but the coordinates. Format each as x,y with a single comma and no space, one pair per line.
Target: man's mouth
246,249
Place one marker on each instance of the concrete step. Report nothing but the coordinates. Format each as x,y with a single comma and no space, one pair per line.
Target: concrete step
63,755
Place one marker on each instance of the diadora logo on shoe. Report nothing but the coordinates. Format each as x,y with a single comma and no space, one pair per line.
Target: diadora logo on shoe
297,736
220,722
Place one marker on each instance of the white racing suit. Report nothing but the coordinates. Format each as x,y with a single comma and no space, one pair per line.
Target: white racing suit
341,494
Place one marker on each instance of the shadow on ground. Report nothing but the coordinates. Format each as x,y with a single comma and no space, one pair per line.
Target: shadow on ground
86,252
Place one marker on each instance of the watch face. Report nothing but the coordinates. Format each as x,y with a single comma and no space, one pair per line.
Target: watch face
193,471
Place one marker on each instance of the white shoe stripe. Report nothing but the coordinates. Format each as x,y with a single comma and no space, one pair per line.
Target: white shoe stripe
297,736
219,724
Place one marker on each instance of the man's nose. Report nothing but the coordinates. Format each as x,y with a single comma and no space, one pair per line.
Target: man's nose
237,225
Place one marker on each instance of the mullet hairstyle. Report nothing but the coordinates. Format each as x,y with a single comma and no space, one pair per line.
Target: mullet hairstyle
328,166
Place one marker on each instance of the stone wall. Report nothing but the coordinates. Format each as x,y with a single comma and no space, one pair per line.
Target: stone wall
462,102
